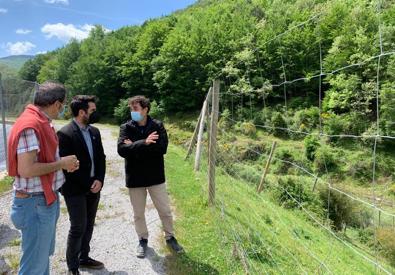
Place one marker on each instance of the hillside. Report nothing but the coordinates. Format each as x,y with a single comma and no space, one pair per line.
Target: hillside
15,62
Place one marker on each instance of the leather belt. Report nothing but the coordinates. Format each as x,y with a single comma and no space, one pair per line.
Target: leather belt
22,195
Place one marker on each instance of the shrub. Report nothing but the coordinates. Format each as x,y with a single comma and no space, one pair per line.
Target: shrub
386,241
368,138
325,160
230,151
263,117
294,192
361,218
244,171
286,155
188,125
225,121
365,235
311,144
248,129
333,125
306,120
157,111
352,123
392,189
278,121
122,111
359,166
340,208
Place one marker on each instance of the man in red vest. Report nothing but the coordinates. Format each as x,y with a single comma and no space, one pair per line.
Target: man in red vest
33,158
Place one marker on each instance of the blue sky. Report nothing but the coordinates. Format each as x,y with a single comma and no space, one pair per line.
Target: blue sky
37,26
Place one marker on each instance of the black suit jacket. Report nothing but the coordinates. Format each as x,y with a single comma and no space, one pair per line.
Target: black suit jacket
71,142
144,164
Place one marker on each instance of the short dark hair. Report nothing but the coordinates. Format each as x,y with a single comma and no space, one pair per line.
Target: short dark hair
48,93
81,102
142,100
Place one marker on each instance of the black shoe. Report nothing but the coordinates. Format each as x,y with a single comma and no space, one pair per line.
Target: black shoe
141,248
91,263
173,244
73,272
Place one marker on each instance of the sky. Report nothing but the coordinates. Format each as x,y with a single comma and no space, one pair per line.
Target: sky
37,26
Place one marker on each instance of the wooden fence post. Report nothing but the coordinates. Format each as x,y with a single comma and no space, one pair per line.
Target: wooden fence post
195,132
213,142
260,186
201,131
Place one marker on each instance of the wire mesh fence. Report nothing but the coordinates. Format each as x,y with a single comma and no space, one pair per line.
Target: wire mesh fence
347,200
15,95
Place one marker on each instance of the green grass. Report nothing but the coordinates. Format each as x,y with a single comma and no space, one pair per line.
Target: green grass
13,262
248,232
15,242
6,184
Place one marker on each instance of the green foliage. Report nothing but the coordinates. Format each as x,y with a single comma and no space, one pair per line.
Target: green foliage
325,159
244,171
157,111
295,192
386,240
359,166
305,120
279,125
311,144
7,71
263,117
284,158
247,128
225,121
122,111
15,62
32,67
340,209
6,184
173,59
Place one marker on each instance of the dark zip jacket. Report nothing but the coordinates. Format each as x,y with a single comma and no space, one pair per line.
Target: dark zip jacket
144,164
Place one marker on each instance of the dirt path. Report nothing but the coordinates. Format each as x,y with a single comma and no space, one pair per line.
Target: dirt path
114,238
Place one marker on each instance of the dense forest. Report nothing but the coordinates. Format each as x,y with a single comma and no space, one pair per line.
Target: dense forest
174,58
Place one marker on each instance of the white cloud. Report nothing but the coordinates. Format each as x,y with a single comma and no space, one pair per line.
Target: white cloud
23,31
64,2
20,47
41,52
3,10
66,32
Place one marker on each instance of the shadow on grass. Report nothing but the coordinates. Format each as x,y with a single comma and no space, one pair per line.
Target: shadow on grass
183,264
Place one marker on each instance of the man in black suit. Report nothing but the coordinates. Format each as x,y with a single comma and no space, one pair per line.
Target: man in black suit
82,188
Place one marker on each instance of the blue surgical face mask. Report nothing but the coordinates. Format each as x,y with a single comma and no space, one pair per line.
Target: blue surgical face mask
137,116
61,114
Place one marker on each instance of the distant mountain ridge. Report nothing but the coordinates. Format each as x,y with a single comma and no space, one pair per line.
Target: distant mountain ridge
15,62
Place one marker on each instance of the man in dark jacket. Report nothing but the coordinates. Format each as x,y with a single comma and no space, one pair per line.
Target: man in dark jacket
82,189
143,142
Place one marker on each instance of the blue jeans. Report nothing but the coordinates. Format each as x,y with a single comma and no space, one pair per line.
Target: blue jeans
37,222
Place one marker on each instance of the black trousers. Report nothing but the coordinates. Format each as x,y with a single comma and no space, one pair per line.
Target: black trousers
82,213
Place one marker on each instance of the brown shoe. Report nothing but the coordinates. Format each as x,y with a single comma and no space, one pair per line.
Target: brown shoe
91,263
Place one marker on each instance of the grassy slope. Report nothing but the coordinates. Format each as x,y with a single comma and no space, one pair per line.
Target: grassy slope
270,238
5,184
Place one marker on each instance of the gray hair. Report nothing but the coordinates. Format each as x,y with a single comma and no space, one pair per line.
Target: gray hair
48,93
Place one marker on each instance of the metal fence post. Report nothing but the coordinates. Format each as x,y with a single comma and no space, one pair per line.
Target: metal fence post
2,98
